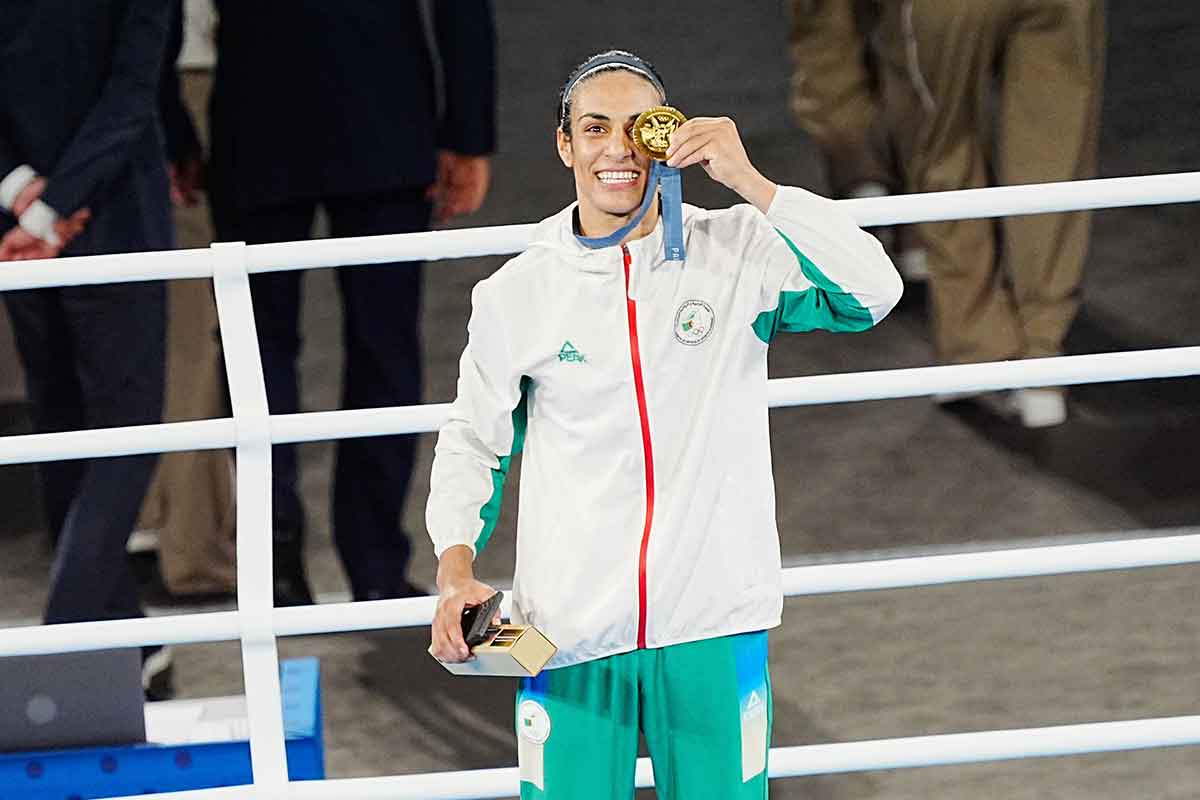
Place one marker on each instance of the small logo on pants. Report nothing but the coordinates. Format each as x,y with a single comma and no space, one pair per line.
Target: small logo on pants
533,723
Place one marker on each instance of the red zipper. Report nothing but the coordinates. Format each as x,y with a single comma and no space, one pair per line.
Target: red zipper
639,386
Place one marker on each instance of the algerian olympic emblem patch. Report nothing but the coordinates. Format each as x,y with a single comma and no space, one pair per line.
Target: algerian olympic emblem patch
694,321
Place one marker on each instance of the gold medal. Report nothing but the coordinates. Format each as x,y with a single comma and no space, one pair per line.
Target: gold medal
652,131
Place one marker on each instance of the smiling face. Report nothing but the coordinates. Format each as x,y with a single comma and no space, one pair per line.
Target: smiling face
610,174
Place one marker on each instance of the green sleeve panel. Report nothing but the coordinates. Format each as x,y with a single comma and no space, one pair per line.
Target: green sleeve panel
823,306
490,512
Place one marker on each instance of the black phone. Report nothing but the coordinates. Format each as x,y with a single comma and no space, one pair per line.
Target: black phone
477,619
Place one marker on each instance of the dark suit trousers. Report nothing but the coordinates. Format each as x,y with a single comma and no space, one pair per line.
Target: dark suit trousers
93,358
380,307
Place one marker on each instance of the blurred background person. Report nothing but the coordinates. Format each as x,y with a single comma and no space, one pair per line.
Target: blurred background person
834,94
983,92
185,544
338,106
82,172
835,100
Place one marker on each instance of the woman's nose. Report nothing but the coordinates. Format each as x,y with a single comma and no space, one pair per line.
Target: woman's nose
619,144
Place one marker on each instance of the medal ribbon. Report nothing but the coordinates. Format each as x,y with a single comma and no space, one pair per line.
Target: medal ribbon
672,212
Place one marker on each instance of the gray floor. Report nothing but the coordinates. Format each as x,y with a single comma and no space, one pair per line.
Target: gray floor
853,480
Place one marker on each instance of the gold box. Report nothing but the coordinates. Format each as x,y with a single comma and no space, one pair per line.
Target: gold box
510,650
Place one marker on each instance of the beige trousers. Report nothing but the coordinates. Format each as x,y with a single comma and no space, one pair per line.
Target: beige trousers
983,92
191,501
834,93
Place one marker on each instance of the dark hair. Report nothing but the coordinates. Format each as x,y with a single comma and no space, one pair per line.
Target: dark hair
607,61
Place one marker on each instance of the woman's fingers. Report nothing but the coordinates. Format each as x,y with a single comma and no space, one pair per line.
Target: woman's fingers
447,638
690,152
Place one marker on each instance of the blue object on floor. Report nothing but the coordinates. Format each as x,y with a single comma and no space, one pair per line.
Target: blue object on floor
95,772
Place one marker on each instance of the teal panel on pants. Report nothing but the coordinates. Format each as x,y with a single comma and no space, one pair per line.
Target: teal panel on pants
705,709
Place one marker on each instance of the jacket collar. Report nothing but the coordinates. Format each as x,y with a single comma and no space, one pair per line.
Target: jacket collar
557,233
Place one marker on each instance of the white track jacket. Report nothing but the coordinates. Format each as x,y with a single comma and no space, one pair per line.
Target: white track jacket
637,388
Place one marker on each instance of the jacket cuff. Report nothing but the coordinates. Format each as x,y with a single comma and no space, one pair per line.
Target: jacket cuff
39,220
14,183
442,547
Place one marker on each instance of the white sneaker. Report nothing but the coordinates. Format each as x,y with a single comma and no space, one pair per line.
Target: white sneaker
912,265
158,672
869,189
1040,408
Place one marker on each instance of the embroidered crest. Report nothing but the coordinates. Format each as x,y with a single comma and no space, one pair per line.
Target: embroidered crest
694,321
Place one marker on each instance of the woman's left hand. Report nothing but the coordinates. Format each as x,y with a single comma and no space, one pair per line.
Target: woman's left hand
715,144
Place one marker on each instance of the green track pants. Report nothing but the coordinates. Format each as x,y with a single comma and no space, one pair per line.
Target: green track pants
704,707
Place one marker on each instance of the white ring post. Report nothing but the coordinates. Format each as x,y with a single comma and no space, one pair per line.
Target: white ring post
255,576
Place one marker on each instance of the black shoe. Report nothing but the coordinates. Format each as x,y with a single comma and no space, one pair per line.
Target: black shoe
291,590
145,568
158,673
291,584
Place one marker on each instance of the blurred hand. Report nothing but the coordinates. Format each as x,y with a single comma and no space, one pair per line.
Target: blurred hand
21,245
32,191
457,589
187,179
461,184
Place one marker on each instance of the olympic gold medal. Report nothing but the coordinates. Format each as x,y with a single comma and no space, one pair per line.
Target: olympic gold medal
652,131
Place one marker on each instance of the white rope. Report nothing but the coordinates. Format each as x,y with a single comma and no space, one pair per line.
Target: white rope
971,748
897,573
1174,362
1039,198
216,626
1134,365
784,762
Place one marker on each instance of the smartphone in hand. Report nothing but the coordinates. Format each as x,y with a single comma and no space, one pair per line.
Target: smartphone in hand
477,619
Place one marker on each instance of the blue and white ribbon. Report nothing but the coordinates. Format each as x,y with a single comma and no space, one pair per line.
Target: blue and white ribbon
666,178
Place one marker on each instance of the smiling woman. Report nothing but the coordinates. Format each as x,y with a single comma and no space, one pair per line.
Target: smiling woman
647,549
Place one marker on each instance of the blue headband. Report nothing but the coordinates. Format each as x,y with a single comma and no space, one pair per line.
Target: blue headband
618,59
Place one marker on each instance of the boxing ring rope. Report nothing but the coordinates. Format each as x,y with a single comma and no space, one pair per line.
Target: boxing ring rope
252,431
785,762
892,573
1172,362
1004,201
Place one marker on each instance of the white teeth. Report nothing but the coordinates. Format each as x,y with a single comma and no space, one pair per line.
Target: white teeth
616,177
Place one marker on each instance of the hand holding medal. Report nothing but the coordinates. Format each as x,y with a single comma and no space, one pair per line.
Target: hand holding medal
715,144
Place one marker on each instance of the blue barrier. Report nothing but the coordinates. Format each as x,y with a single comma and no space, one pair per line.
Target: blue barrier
97,772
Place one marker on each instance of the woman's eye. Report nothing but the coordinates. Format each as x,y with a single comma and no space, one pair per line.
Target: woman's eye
595,129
